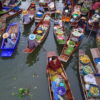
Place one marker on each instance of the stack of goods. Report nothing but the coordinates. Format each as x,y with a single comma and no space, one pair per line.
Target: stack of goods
59,33
87,73
58,86
51,5
42,29
78,34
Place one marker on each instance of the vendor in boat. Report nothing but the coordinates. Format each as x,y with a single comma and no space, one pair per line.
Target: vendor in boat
9,43
0,5
54,65
32,43
82,22
26,18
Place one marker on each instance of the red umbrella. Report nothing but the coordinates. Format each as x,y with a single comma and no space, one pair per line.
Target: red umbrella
96,5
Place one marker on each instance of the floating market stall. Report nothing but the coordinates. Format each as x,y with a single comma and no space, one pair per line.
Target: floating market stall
58,83
7,7
29,14
39,34
59,32
72,44
90,80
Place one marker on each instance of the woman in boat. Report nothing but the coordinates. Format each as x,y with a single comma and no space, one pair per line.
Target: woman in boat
0,6
9,43
82,22
26,18
54,64
32,43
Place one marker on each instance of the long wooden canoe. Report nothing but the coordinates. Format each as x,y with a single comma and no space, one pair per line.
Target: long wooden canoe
96,57
53,85
7,51
98,40
58,31
7,9
39,41
86,70
11,13
68,50
31,14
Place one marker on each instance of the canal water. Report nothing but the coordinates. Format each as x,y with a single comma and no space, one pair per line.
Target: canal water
29,70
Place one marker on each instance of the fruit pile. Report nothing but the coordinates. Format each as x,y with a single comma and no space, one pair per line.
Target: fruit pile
84,59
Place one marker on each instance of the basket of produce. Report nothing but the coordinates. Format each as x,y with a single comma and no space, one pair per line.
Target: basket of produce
84,59
94,91
69,50
71,43
87,70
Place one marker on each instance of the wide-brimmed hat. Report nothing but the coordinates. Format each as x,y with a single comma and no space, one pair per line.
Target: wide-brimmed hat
5,35
32,36
83,18
58,11
25,12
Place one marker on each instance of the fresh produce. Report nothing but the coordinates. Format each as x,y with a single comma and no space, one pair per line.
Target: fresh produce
84,59
69,50
87,69
71,43
94,91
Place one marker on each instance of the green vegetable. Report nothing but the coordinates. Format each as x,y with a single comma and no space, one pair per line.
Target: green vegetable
61,41
38,37
69,50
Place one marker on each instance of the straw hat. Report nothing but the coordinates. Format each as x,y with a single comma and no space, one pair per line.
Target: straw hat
25,12
5,35
32,37
58,11
83,18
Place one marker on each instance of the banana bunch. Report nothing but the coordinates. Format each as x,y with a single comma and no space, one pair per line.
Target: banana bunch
94,91
84,59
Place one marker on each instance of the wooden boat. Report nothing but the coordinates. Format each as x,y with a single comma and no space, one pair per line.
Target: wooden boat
39,15
86,69
58,31
66,14
76,13
7,9
2,26
71,44
11,13
98,40
96,57
54,86
48,5
30,15
40,37
13,28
